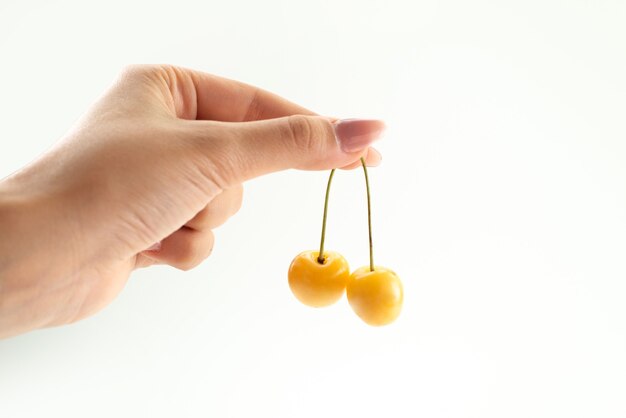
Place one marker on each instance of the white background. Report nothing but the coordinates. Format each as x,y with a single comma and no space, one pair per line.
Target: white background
501,202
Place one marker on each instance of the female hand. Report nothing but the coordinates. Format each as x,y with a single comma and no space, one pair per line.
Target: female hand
143,178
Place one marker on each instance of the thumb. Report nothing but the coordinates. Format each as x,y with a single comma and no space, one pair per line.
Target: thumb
300,142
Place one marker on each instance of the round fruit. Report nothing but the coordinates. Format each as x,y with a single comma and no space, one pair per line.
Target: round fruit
375,296
317,283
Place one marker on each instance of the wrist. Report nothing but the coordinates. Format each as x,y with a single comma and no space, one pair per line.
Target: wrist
12,213
29,267
13,264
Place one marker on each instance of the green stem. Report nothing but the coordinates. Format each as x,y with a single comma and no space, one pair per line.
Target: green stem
369,213
320,256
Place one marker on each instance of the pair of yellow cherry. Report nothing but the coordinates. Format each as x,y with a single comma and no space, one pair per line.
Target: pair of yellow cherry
319,278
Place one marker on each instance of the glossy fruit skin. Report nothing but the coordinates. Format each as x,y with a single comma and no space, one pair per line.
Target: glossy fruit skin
316,284
375,296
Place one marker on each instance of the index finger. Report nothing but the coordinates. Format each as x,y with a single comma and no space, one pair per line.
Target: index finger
210,97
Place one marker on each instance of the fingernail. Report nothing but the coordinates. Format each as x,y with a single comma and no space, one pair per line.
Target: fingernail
154,247
354,135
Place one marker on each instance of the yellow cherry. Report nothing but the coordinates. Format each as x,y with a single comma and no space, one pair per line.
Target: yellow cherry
318,278
374,293
317,283
375,296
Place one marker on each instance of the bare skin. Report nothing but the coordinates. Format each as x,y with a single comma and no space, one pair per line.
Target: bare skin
145,176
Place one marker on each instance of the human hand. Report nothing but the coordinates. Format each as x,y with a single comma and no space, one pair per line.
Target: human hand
143,178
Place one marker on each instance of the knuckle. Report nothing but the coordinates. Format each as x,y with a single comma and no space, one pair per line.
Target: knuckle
197,250
300,131
309,134
187,262
138,72
185,266
144,69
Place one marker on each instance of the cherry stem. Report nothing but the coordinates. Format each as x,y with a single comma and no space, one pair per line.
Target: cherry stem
369,213
320,256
